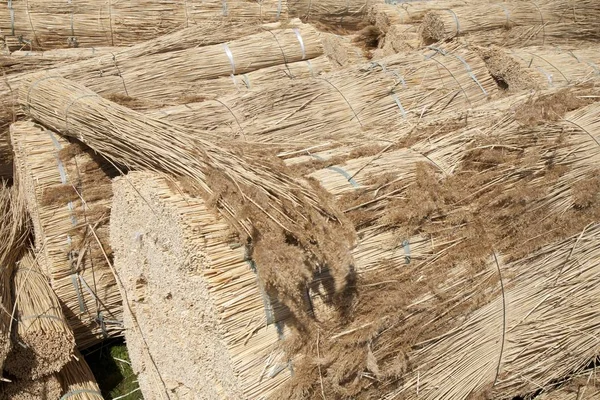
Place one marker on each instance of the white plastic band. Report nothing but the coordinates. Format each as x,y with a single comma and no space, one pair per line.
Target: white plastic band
299,36
230,56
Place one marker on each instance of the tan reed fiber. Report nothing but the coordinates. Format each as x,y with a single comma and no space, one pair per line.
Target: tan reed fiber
78,381
399,38
42,25
14,231
583,385
341,50
475,18
43,341
541,328
201,326
385,15
331,13
273,201
68,198
542,67
47,387
397,91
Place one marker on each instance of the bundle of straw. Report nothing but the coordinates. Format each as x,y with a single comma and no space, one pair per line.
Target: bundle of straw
68,198
541,67
398,39
473,19
583,385
385,15
77,381
14,231
198,323
332,13
40,24
44,342
253,187
341,50
47,387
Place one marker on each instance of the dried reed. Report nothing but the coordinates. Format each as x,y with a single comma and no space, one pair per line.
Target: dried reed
447,24
78,382
346,14
399,38
44,342
254,189
385,15
68,198
40,24
14,231
44,388
185,281
583,385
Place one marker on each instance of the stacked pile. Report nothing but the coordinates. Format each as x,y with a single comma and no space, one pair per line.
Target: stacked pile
405,208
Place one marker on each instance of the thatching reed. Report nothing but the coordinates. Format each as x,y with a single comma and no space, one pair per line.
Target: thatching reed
68,197
14,231
541,67
45,388
77,381
395,92
385,15
21,61
286,219
42,25
198,322
584,385
343,51
399,38
478,18
331,14
43,341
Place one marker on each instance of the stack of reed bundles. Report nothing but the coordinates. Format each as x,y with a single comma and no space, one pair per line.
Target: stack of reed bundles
332,14
515,23
397,91
14,232
341,50
542,67
583,385
68,199
42,25
47,387
198,322
261,188
44,342
399,38
77,381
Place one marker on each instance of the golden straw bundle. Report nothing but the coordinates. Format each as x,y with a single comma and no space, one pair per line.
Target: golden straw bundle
14,231
331,13
472,19
198,323
251,190
44,342
541,67
21,61
385,15
68,198
40,24
78,382
399,38
47,387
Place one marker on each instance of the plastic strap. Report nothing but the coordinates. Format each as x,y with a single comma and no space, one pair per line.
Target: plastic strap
455,20
230,56
225,10
506,12
267,305
345,174
81,391
100,320
471,74
278,9
310,68
12,18
299,37
406,246
399,104
548,76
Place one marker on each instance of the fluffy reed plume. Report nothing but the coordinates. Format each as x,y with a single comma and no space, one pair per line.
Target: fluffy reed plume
41,25
541,67
44,342
291,222
473,19
77,381
397,91
14,231
45,388
209,306
68,195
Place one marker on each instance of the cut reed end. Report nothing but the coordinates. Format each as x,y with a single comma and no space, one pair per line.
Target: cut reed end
506,70
77,381
47,387
195,316
433,28
341,51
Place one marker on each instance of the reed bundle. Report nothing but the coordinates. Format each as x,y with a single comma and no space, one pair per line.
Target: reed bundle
44,341
397,91
40,24
201,325
68,199
14,231
385,15
22,61
583,385
541,67
78,382
539,330
399,38
342,50
250,190
47,387
476,18
346,14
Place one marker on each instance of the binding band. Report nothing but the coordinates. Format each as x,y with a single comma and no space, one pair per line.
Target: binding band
81,391
455,20
399,104
470,72
299,37
230,56
406,246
